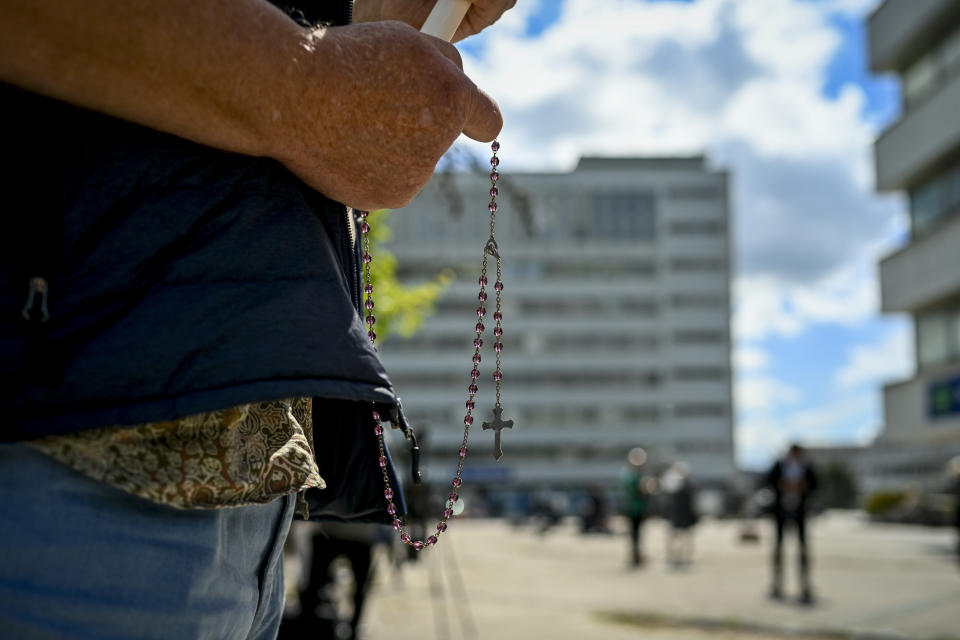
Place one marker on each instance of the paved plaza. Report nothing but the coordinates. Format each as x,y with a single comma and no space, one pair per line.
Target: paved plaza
491,580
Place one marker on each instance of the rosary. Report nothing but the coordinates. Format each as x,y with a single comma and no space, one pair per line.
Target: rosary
498,423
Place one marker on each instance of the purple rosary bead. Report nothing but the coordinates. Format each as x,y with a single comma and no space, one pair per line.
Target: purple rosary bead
482,296
454,497
494,192
369,304
483,281
494,161
468,420
396,523
498,347
443,525
388,494
372,335
378,430
497,331
498,286
391,509
478,343
364,227
382,461
497,376
367,258
447,513
405,537
371,320
492,207
494,176
376,415
463,452
476,358
479,327
368,289
472,389
481,311
471,404
475,373
497,316
417,545
432,540
457,482
363,214
495,145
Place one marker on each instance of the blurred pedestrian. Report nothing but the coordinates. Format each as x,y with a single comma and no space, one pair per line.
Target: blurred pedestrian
322,615
953,479
792,480
594,511
681,514
636,499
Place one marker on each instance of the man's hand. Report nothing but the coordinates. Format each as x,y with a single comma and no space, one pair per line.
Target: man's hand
376,106
481,15
361,113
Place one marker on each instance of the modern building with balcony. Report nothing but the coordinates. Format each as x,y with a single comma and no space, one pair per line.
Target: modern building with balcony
920,155
616,321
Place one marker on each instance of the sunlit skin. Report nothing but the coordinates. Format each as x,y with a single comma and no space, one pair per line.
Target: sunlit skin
361,113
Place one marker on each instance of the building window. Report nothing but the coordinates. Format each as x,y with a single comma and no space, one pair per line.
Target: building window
697,227
700,336
923,77
619,216
687,264
920,78
697,300
700,410
935,199
572,268
696,374
695,192
640,413
938,337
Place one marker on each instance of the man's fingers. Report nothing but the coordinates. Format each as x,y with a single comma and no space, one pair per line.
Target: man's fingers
484,119
448,50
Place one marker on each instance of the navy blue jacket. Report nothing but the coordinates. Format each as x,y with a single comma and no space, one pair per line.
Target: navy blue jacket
180,279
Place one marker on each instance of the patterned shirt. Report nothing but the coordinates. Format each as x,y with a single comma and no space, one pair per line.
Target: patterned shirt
244,455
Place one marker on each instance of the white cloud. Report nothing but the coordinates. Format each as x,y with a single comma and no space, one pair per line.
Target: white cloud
749,358
763,393
850,419
852,8
889,359
741,81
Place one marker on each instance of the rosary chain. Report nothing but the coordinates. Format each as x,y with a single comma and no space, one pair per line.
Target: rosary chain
472,389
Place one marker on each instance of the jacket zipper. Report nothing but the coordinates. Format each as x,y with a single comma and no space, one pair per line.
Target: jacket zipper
394,411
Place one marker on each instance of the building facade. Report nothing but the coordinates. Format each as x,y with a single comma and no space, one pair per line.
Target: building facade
616,323
920,154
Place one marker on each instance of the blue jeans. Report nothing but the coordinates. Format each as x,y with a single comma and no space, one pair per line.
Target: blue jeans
80,559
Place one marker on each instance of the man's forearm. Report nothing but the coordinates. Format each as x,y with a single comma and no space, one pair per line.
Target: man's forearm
360,113
203,70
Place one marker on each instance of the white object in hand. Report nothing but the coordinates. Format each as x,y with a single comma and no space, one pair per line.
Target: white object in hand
445,18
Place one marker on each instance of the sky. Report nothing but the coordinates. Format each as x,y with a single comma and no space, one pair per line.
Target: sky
778,93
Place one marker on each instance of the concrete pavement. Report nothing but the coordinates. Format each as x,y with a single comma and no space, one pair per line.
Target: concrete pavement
490,580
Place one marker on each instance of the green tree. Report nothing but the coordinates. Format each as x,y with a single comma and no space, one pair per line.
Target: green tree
401,308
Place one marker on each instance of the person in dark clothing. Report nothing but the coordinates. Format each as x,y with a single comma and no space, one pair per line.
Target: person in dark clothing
792,480
682,514
593,511
183,358
636,496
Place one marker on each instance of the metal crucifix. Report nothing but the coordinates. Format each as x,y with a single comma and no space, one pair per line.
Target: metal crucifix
498,424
